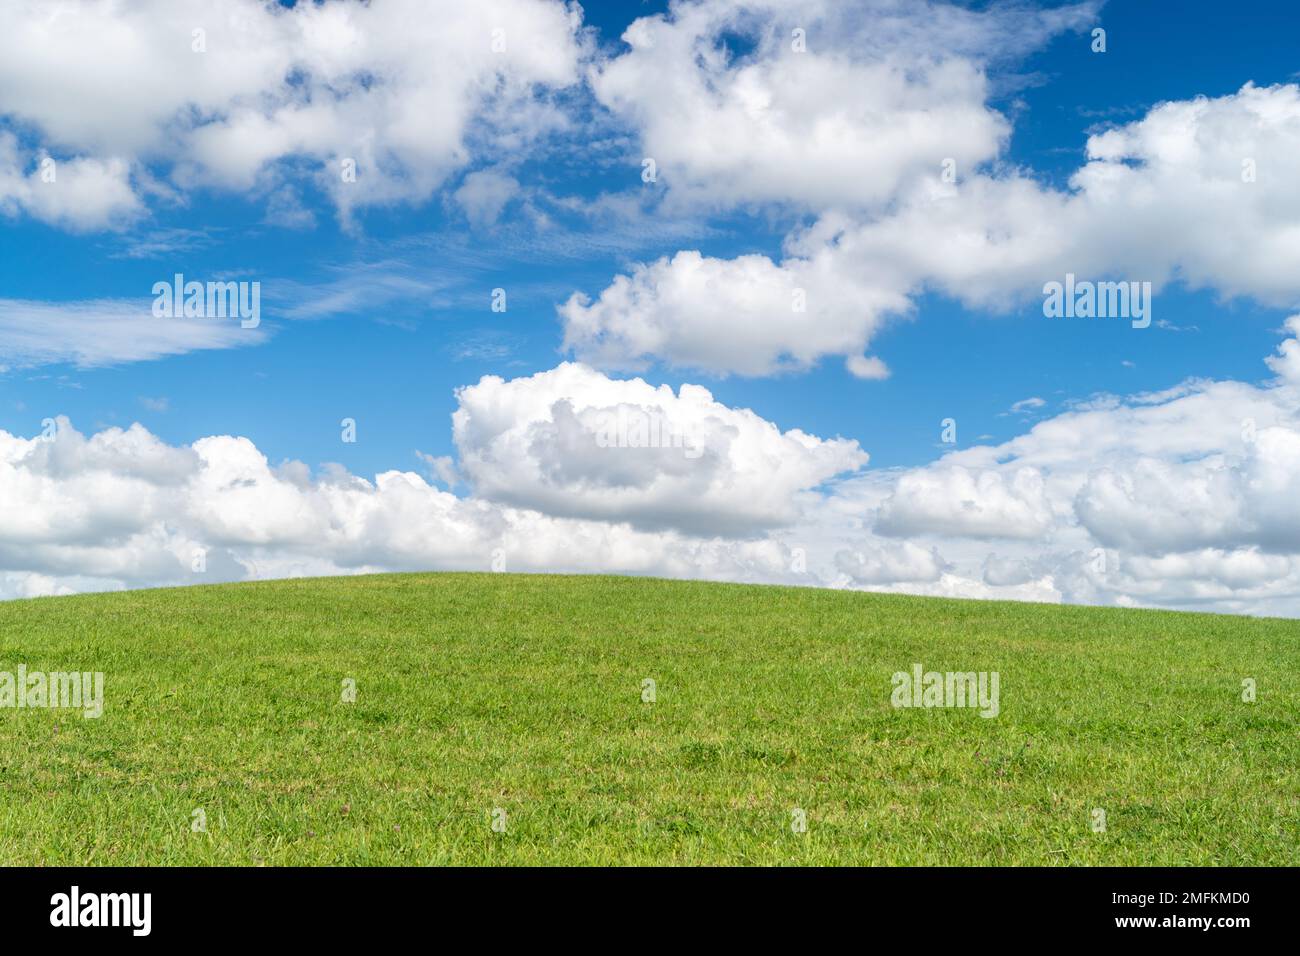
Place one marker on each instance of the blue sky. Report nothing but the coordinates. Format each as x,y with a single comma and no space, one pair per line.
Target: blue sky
393,366
379,311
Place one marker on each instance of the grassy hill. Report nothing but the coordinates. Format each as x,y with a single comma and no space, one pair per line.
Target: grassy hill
477,692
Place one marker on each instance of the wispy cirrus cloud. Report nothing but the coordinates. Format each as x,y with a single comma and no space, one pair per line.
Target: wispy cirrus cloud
94,333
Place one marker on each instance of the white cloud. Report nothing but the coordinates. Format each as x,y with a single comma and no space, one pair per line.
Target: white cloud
1001,572
1161,198
122,509
1185,498
80,194
1027,405
106,332
966,503
441,468
573,442
1249,497
883,95
1158,505
1287,361
891,562
746,315
760,127
815,104
484,194
412,90
1237,570
285,209
1165,198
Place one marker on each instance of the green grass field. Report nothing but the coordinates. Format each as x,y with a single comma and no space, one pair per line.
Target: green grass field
524,693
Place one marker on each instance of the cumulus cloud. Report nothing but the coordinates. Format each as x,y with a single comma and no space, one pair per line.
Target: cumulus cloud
1002,572
745,315
1236,570
1164,197
813,104
1157,505
79,194
1251,498
1184,498
891,562
576,443
963,502
122,509
411,91
568,470
1196,191
1286,363
827,108
730,125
